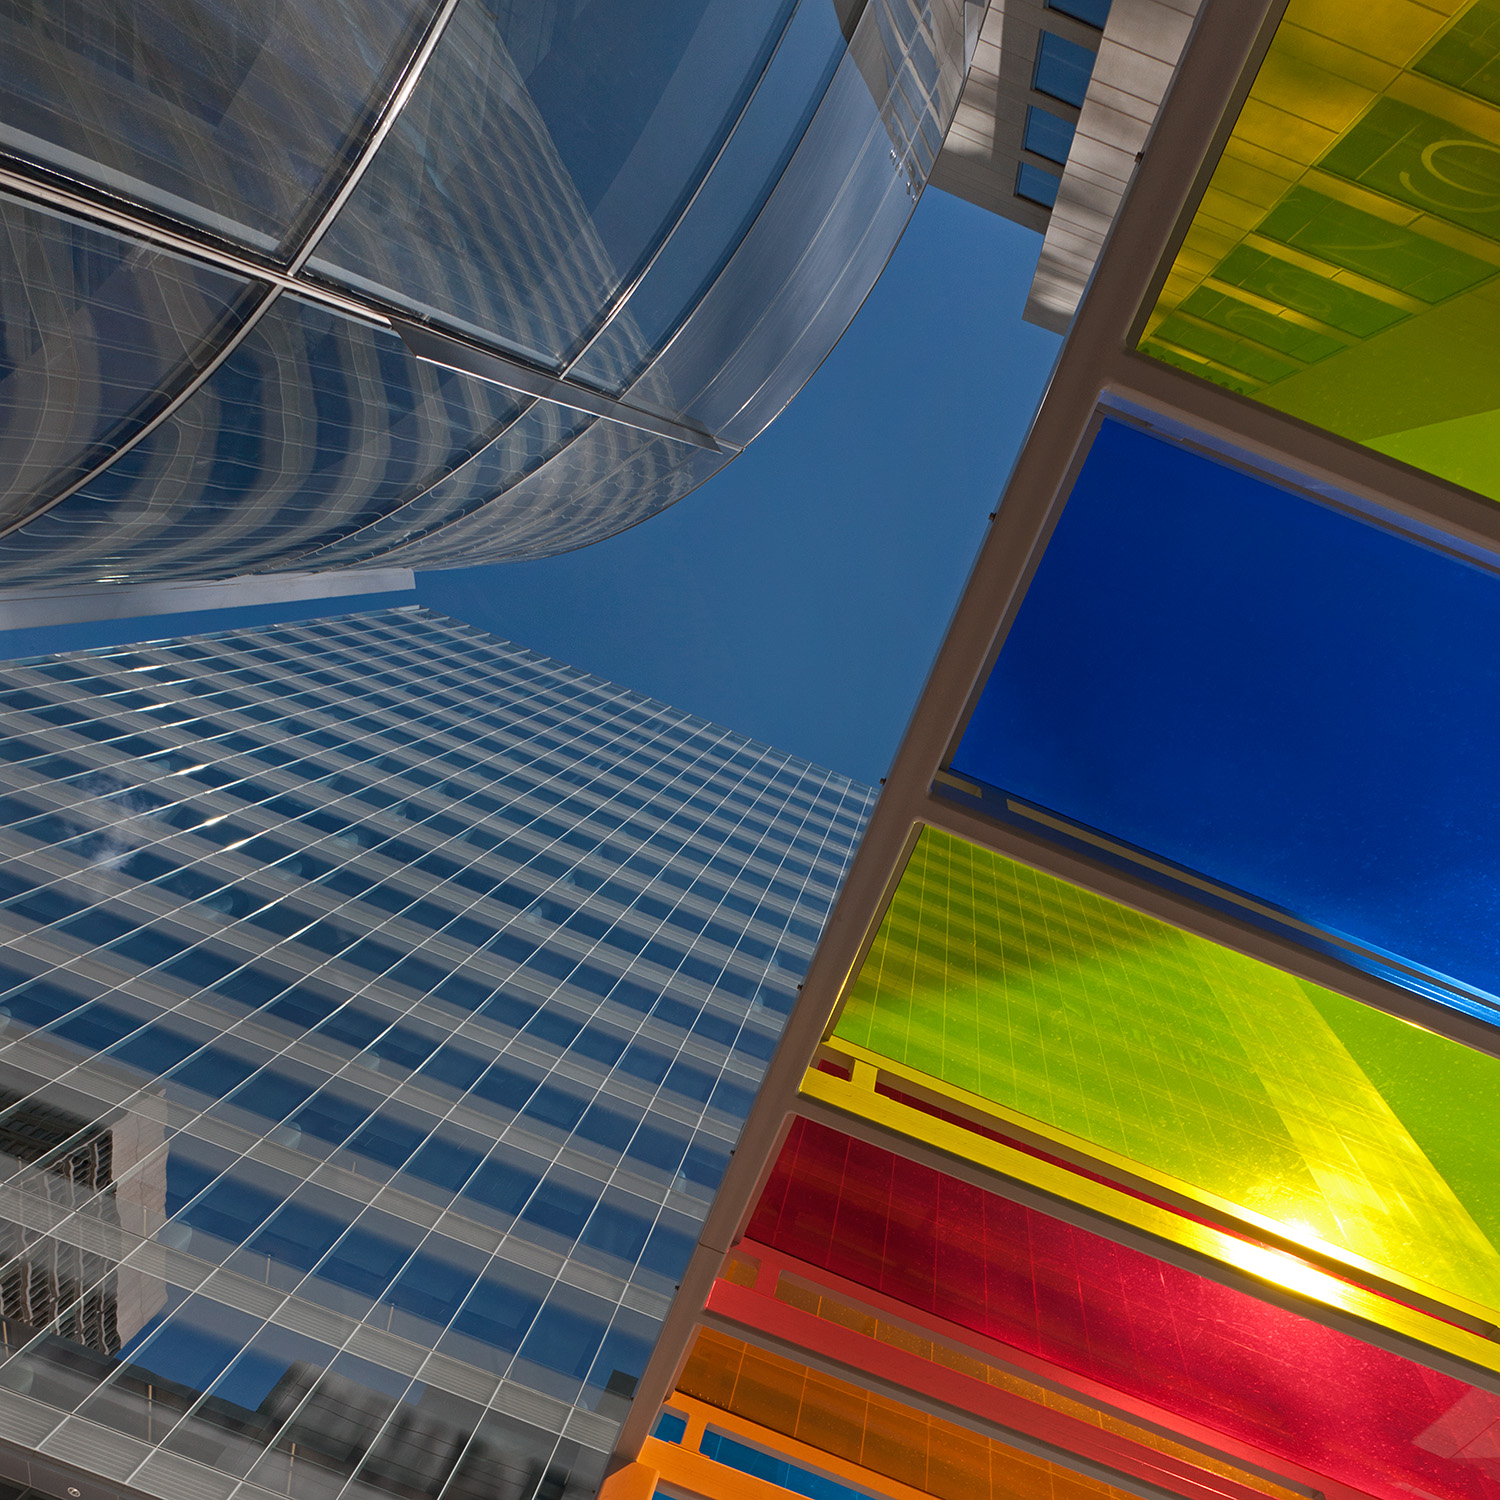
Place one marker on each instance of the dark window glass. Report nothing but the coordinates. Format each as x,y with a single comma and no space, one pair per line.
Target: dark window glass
299,1235
367,1259
502,1307
1063,68
435,1281
446,1160
1048,135
505,1181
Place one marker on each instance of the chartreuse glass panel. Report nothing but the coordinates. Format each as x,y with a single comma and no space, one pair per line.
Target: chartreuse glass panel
1326,1121
1342,264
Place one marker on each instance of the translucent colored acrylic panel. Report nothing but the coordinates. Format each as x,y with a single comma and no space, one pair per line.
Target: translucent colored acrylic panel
241,118
1176,1347
99,331
542,159
1341,265
1268,692
1231,1078
875,1432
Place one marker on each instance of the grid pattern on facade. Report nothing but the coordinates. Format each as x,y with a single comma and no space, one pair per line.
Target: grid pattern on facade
381,1004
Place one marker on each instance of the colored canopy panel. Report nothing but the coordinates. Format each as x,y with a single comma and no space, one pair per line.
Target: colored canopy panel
894,1440
1221,1076
1266,691
1341,265
1166,1340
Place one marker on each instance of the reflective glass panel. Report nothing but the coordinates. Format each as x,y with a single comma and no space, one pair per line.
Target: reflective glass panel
1270,693
241,117
570,140
1063,68
97,333
1341,264
314,427
1037,184
1047,134
1108,1030
1174,1345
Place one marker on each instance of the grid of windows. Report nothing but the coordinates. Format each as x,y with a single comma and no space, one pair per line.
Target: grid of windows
379,1005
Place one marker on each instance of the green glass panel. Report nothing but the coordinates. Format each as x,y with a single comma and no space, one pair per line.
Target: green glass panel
1429,164
1356,241
1228,1075
1248,359
1465,56
1262,327
1385,135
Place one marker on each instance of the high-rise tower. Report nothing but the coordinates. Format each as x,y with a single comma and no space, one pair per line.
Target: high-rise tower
381,1005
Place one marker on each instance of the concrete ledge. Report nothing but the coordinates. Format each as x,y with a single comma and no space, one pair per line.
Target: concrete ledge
26,608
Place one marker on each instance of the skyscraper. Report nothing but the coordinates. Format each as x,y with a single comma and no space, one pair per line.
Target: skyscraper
426,282
381,1007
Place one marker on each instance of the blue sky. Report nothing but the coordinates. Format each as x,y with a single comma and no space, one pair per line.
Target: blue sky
799,595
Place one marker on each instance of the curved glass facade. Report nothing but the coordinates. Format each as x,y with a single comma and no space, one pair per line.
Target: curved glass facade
214,213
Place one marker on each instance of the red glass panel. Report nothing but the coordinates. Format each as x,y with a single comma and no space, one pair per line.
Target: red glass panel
1263,1375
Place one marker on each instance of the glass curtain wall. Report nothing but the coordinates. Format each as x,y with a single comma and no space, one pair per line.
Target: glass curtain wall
213,212
379,1006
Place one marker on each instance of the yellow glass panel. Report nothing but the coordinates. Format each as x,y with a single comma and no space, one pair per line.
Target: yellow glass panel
1342,265
1220,1076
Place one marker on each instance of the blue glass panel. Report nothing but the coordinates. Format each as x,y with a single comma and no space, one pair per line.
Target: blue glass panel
1090,12
314,427
670,1427
1048,135
1264,690
97,333
570,143
1037,184
1063,68
780,1471
240,117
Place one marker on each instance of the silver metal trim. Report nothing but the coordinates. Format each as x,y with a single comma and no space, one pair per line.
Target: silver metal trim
456,354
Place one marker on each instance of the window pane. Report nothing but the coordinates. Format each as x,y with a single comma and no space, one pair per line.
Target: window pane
1048,135
1037,185
1063,68
241,117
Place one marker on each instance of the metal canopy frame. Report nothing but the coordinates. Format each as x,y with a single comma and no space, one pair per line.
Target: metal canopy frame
1096,371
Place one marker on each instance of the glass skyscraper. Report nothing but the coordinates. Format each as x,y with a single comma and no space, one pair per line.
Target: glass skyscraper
381,1005
304,287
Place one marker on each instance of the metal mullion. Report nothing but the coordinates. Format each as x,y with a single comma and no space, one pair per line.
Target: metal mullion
389,112
158,237
1330,468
